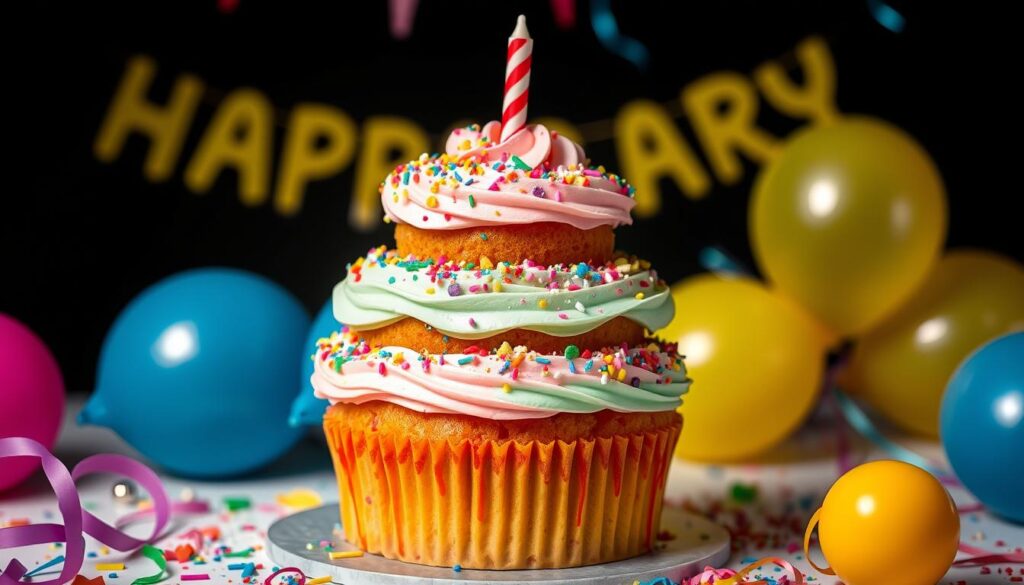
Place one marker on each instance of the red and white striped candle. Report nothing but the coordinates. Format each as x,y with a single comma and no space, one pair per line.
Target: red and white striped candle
517,80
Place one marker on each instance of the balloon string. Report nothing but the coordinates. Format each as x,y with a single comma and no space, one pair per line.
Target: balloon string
843,458
77,521
607,30
859,420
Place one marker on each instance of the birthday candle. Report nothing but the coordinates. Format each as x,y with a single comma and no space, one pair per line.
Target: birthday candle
517,80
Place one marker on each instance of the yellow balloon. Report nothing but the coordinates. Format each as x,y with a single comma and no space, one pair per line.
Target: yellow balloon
756,361
848,220
887,522
901,367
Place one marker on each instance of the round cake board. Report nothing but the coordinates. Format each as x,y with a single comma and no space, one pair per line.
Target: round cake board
698,542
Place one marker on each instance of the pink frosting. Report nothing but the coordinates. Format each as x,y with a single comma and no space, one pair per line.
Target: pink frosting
534,176
487,388
534,145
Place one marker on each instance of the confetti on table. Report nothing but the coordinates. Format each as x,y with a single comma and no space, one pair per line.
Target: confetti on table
319,580
299,498
345,554
195,577
743,493
237,503
109,566
54,561
183,553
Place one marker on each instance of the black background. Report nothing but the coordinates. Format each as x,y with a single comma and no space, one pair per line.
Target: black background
80,238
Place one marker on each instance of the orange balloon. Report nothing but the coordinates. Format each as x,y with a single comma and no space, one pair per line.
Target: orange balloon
886,522
902,366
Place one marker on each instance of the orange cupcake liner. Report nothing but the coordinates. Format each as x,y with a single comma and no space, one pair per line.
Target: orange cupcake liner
501,505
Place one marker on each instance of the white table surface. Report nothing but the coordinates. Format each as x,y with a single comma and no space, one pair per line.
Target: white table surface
790,484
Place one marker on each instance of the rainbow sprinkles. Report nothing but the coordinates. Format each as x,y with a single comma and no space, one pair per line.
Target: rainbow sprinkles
501,383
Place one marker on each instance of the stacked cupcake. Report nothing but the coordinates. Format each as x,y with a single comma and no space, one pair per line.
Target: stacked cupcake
496,402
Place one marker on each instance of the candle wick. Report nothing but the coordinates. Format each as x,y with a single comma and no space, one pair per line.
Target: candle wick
521,31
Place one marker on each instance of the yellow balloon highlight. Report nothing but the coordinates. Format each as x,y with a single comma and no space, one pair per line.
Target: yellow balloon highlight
887,522
848,220
901,367
756,361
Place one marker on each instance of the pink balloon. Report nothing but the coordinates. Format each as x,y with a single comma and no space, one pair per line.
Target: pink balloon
31,396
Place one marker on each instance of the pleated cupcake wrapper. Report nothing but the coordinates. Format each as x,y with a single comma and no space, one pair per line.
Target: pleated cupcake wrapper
501,505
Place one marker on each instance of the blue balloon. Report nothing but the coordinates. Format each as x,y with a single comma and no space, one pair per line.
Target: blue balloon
198,371
308,410
982,424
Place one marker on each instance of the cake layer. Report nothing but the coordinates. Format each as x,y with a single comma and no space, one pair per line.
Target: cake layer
413,333
505,383
478,300
388,418
544,243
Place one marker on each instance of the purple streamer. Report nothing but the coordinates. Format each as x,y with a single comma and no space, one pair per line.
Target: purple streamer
77,521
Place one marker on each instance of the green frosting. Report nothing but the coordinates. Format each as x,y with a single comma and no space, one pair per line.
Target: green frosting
386,294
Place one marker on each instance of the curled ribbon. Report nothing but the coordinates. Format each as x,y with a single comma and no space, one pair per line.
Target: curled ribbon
730,577
606,27
77,521
886,16
300,581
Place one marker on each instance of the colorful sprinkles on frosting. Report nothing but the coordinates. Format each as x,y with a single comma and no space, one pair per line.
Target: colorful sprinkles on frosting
631,274
444,174
622,364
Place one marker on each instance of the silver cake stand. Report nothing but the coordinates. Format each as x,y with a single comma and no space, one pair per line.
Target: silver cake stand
698,543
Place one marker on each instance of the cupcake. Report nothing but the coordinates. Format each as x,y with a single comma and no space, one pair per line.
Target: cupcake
496,401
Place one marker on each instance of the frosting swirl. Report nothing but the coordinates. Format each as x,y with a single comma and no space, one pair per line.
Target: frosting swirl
472,301
533,176
505,384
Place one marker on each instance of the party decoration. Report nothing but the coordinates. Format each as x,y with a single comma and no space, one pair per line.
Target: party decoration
31,395
227,6
983,424
199,370
848,220
517,80
886,522
78,521
606,28
564,12
752,354
730,577
307,409
886,16
318,139
402,15
859,420
901,367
